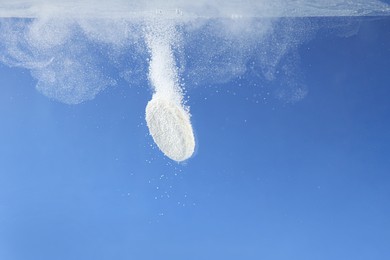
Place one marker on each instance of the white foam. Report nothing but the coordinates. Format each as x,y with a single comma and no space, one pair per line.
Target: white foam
193,9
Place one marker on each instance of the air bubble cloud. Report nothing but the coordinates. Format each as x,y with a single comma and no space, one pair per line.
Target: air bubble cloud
68,47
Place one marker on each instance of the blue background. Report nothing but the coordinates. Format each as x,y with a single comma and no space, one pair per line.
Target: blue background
269,180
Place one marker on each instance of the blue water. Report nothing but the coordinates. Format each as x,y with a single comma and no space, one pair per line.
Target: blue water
292,161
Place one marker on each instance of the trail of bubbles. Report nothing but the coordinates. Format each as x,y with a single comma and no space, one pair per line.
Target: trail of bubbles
167,119
163,75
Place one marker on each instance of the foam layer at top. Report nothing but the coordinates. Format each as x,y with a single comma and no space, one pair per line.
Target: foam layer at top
182,9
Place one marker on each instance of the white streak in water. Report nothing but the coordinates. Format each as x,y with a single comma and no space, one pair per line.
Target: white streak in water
167,119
